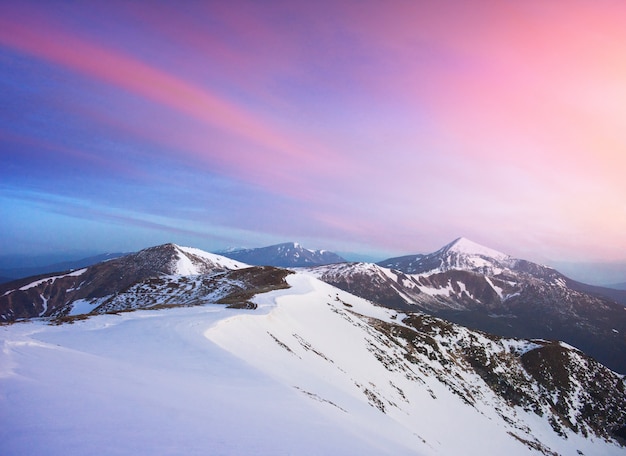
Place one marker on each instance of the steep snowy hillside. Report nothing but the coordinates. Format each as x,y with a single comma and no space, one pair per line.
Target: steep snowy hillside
150,383
422,376
287,255
373,282
54,294
310,370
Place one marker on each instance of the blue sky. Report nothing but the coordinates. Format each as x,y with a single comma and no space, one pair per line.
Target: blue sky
343,125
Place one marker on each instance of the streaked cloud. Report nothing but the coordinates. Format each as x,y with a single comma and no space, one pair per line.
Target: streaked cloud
398,126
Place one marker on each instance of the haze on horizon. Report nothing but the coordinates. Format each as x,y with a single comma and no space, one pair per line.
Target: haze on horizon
354,126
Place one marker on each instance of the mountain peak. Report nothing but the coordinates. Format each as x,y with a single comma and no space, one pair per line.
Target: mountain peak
287,254
465,246
286,245
458,254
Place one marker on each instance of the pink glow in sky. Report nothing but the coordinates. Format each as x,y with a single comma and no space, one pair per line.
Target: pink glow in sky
383,127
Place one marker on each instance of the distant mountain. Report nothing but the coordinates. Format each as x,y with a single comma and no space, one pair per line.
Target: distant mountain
459,254
485,289
98,285
12,273
463,254
604,274
287,255
617,286
615,294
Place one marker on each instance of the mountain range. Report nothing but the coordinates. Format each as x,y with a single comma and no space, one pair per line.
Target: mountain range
463,282
286,255
366,343
481,288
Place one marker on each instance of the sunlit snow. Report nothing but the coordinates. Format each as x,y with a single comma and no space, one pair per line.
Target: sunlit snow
298,375
52,279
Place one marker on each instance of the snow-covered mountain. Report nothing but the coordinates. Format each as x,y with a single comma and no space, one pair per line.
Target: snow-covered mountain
230,287
307,370
463,254
287,255
55,294
484,289
459,254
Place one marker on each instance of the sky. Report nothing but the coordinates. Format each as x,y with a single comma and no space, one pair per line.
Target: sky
383,128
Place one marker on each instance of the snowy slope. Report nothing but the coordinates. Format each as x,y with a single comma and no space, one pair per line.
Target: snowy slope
150,383
312,370
192,261
341,351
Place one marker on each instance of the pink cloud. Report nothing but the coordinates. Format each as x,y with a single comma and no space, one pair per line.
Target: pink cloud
529,90
263,143
469,117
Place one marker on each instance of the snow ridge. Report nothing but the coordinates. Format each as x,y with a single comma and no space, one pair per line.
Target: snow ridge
415,373
192,261
52,279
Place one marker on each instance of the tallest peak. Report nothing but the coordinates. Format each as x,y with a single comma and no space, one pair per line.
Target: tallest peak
463,242
468,247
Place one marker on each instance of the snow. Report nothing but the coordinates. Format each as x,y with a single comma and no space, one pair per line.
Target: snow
446,291
83,306
52,279
520,346
560,282
299,375
512,295
568,346
148,383
465,246
185,265
45,304
497,289
339,366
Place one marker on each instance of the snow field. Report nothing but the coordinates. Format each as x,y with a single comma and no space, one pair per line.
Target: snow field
305,373
147,383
